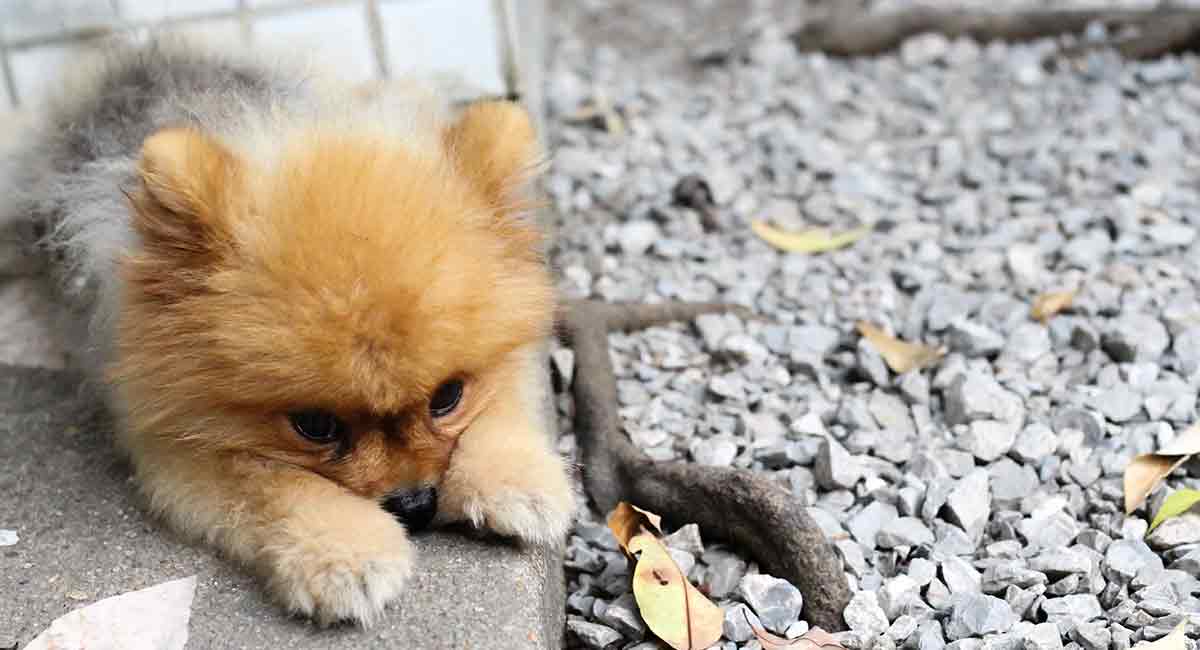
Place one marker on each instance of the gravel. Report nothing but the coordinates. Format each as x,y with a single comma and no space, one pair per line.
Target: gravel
977,503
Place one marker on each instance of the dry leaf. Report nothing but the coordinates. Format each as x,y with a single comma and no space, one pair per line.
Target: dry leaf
810,640
1176,640
1048,304
1146,471
900,356
818,240
626,521
155,618
671,607
1176,504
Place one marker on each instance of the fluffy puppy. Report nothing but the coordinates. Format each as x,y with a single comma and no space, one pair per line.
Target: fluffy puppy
318,323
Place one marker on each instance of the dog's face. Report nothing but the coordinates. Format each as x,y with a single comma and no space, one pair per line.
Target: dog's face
350,308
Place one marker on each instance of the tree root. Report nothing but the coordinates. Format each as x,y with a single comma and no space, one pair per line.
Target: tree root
1160,30
738,506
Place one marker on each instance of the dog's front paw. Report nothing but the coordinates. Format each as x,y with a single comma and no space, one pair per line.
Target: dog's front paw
345,575
537,507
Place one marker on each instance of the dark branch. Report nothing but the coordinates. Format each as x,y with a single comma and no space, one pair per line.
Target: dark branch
845,33
734,505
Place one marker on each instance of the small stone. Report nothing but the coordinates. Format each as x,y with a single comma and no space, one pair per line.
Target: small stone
960,577
713,329
777,602
968,505
976,396
863,614
739,622
564,364
891,413
1119,403
725,571
636,237
684,559
593,635
988,440
718,452
1092,636
896,594
686,538
1021,600
1034,443
974,615
1011,482
865,525
8,537
1011,572
1043,636
1076,608
904,531
835,467
1135,337
1176,531
1060,562
902,628
796,630
1126,557
973,339
622,615
921,570
929,636
938,595
914,386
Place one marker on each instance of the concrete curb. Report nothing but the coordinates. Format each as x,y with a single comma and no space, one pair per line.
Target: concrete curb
83,537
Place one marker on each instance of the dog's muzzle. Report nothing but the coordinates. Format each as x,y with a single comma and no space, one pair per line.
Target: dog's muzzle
415,508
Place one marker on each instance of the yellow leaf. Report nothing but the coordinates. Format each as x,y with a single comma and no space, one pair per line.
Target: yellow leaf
900,356
1048,304
1146,471
1176,640
1176,504
671,607
808,241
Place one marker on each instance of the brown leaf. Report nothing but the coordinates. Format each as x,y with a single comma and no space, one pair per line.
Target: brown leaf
627,520
671,607
1146,471
900,356
1049,304
810,640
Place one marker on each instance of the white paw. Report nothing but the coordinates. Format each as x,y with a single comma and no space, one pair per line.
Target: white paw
537,518
330,584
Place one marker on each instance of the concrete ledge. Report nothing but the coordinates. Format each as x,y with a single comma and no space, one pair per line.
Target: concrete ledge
83,537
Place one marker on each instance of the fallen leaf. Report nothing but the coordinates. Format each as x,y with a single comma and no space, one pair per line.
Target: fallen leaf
810,640
673,609
155,618
670,605
900,356
1048,304
1176,640
626,521
817,240
1176,504
1146,471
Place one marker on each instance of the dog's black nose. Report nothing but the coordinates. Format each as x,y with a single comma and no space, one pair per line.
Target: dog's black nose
415,508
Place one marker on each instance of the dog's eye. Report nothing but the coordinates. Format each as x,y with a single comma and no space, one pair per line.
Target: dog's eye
446,398
317,425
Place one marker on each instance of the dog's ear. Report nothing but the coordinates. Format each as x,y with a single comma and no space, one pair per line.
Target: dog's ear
188,180
494,144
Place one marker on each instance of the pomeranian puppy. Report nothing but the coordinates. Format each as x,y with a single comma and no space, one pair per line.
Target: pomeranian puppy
320,323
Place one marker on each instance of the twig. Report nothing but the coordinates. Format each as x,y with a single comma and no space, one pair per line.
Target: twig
734,505
1161,29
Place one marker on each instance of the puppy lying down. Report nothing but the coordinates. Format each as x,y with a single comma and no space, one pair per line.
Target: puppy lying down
319,323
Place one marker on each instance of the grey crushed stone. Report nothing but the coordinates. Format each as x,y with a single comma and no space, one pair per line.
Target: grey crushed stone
1006,457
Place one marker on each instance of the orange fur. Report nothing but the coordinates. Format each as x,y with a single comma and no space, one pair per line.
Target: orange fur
354,274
